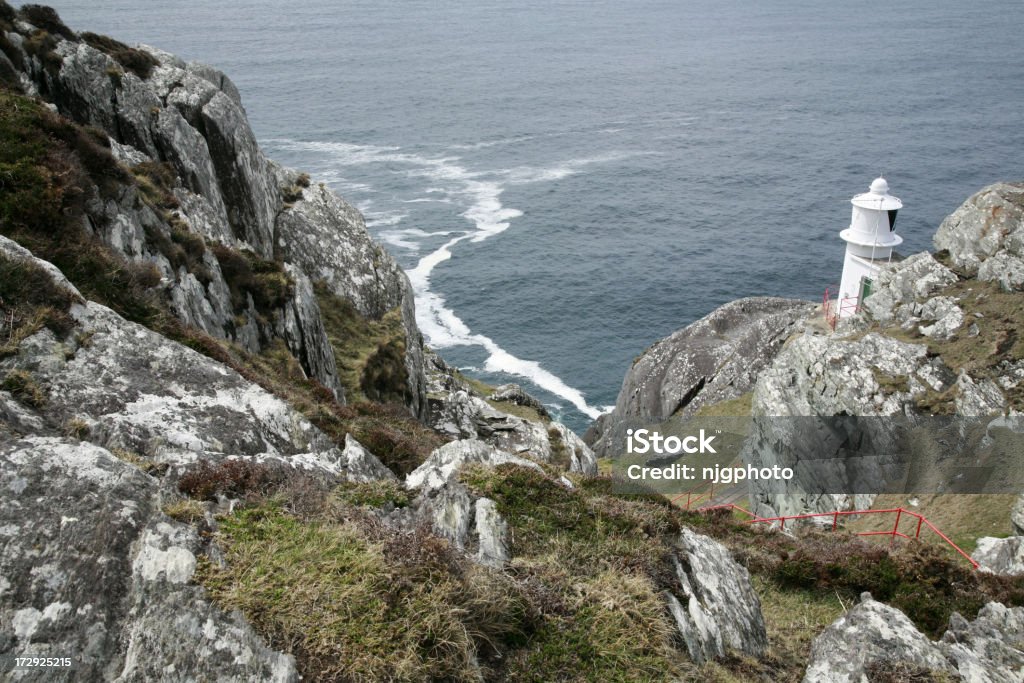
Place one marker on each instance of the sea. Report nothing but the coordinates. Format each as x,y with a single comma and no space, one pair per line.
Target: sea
567,181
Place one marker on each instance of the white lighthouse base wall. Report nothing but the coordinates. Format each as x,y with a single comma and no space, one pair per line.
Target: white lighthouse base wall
854,269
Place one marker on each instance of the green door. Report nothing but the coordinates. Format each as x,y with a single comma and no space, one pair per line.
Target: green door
866,284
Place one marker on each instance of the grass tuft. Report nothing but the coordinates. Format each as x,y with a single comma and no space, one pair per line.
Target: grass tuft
388,495
46,18
23,386
186,511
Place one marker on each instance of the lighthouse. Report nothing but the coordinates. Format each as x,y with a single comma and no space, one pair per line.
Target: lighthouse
870,240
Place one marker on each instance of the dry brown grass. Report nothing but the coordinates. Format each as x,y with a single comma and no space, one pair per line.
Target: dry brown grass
963,517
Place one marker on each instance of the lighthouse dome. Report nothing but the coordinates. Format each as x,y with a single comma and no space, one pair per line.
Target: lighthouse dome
877,198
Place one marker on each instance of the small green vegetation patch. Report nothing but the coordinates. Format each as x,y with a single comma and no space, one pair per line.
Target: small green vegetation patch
248,275
139,62
359,602
187,511
560,454
30,301
598,564
373,494
370,354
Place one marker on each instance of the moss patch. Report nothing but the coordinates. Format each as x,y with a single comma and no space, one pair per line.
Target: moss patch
734,407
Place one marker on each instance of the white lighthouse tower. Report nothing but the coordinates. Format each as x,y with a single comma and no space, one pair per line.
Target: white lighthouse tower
870,240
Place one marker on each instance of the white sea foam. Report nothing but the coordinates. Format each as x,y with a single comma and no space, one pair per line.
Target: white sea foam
481,193
407,238
495,143
383,219
522,175
428,200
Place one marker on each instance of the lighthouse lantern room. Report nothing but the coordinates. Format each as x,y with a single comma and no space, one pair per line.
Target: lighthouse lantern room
870,240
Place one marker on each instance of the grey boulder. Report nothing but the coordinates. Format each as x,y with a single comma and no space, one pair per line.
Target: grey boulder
715,607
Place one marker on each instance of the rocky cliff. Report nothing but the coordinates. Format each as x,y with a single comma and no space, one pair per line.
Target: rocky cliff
715,359
238,243
226,455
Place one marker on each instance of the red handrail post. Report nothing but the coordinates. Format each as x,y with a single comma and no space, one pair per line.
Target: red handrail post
920,520
896,527
835,520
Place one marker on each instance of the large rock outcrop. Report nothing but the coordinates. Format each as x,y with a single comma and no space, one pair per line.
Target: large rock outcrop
126,387
870,632
91,569
719,357
874,637
990,648
456,410
1000,555
890,360
985,236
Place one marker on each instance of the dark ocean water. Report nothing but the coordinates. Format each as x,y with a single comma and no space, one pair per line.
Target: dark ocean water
567,182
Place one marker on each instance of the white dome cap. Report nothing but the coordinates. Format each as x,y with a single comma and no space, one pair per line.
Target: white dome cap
879,186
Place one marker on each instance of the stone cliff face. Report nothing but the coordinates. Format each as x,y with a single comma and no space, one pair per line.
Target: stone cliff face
715,359
181,126
184,502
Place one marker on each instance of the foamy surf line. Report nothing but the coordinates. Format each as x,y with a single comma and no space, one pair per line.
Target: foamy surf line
441,327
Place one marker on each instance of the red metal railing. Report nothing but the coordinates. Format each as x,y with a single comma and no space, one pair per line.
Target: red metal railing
833,307
691,499
893,533
922,521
